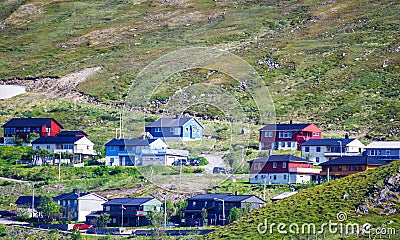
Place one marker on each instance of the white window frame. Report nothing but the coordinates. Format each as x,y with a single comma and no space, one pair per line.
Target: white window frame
284,165
157,129
268,134
315,134
274,165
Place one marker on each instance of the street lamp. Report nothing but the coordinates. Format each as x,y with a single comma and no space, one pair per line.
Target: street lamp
340,144
223,210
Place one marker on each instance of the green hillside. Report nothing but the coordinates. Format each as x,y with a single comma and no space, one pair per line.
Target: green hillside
369,197
331,62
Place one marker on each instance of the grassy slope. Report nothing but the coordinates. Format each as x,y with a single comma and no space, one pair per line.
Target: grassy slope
317,205
332,53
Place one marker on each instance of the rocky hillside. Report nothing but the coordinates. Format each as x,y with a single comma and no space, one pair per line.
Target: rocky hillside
331,62
369,199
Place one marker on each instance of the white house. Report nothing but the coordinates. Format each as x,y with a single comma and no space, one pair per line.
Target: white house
77,205
141,152
77,145
322,150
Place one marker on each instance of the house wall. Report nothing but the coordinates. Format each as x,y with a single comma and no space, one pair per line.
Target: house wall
49,147
346,169
279,178
313,155
84,146
385,154
192,130
88,204
292,143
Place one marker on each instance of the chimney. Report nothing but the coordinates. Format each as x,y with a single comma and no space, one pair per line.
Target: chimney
236,192
76,191
291,121
176,116
346,136
143,136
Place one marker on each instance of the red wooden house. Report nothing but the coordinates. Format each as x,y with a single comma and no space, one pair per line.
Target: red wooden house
282,169
287,136
22,127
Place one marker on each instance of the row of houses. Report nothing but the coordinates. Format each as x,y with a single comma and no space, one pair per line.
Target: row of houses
86,206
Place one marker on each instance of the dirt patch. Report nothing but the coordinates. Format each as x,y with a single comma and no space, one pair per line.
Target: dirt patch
61,88
24,14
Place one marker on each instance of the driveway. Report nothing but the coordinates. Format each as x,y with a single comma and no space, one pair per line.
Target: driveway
214,160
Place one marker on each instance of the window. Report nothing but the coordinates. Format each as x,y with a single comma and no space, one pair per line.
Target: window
48,147
283,144
284,165
307,149
315,134
257,166
285,134
348,167
339,168
284,177
114,220
37,147
157,129
112,148
187,129
318,149
48,130
111,160
107,208
267,134
274,177
317,159
171,129
274,165
289,144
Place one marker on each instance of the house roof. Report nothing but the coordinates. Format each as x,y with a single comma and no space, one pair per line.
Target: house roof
74,195
29,122
285,127
71,133
27,200
384,145
172,122
328,142
283,195
280,158
45,140
128,201
130,142
354,160
225,197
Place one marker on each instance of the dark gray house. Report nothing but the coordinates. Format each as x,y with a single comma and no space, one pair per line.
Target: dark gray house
218,207
130,212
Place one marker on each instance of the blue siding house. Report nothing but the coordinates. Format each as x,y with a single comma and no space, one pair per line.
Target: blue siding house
384,150
176,129
141,152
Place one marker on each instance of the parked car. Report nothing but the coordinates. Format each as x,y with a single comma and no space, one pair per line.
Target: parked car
194,162
178,162
219,170
82,226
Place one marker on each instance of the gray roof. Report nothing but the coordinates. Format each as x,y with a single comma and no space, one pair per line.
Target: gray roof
27,200
280,158
45,140
128,201
29,122
355,160
384,145
225,197
171,122
285,127
130,142
70,196
328,142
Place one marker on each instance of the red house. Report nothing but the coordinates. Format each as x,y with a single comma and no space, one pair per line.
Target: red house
22,127
282,169
287,136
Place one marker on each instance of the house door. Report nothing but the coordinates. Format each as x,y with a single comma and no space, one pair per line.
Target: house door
194,131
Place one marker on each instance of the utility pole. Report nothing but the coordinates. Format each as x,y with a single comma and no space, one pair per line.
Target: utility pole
165,211
33,199
180,175
265,183
59,169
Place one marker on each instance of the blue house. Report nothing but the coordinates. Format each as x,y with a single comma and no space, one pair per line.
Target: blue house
384,150
176,129
141,152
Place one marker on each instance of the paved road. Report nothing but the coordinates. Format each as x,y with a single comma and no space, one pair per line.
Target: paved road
214,160
5,221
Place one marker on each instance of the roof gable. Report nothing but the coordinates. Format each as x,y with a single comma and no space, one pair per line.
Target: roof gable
29,122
